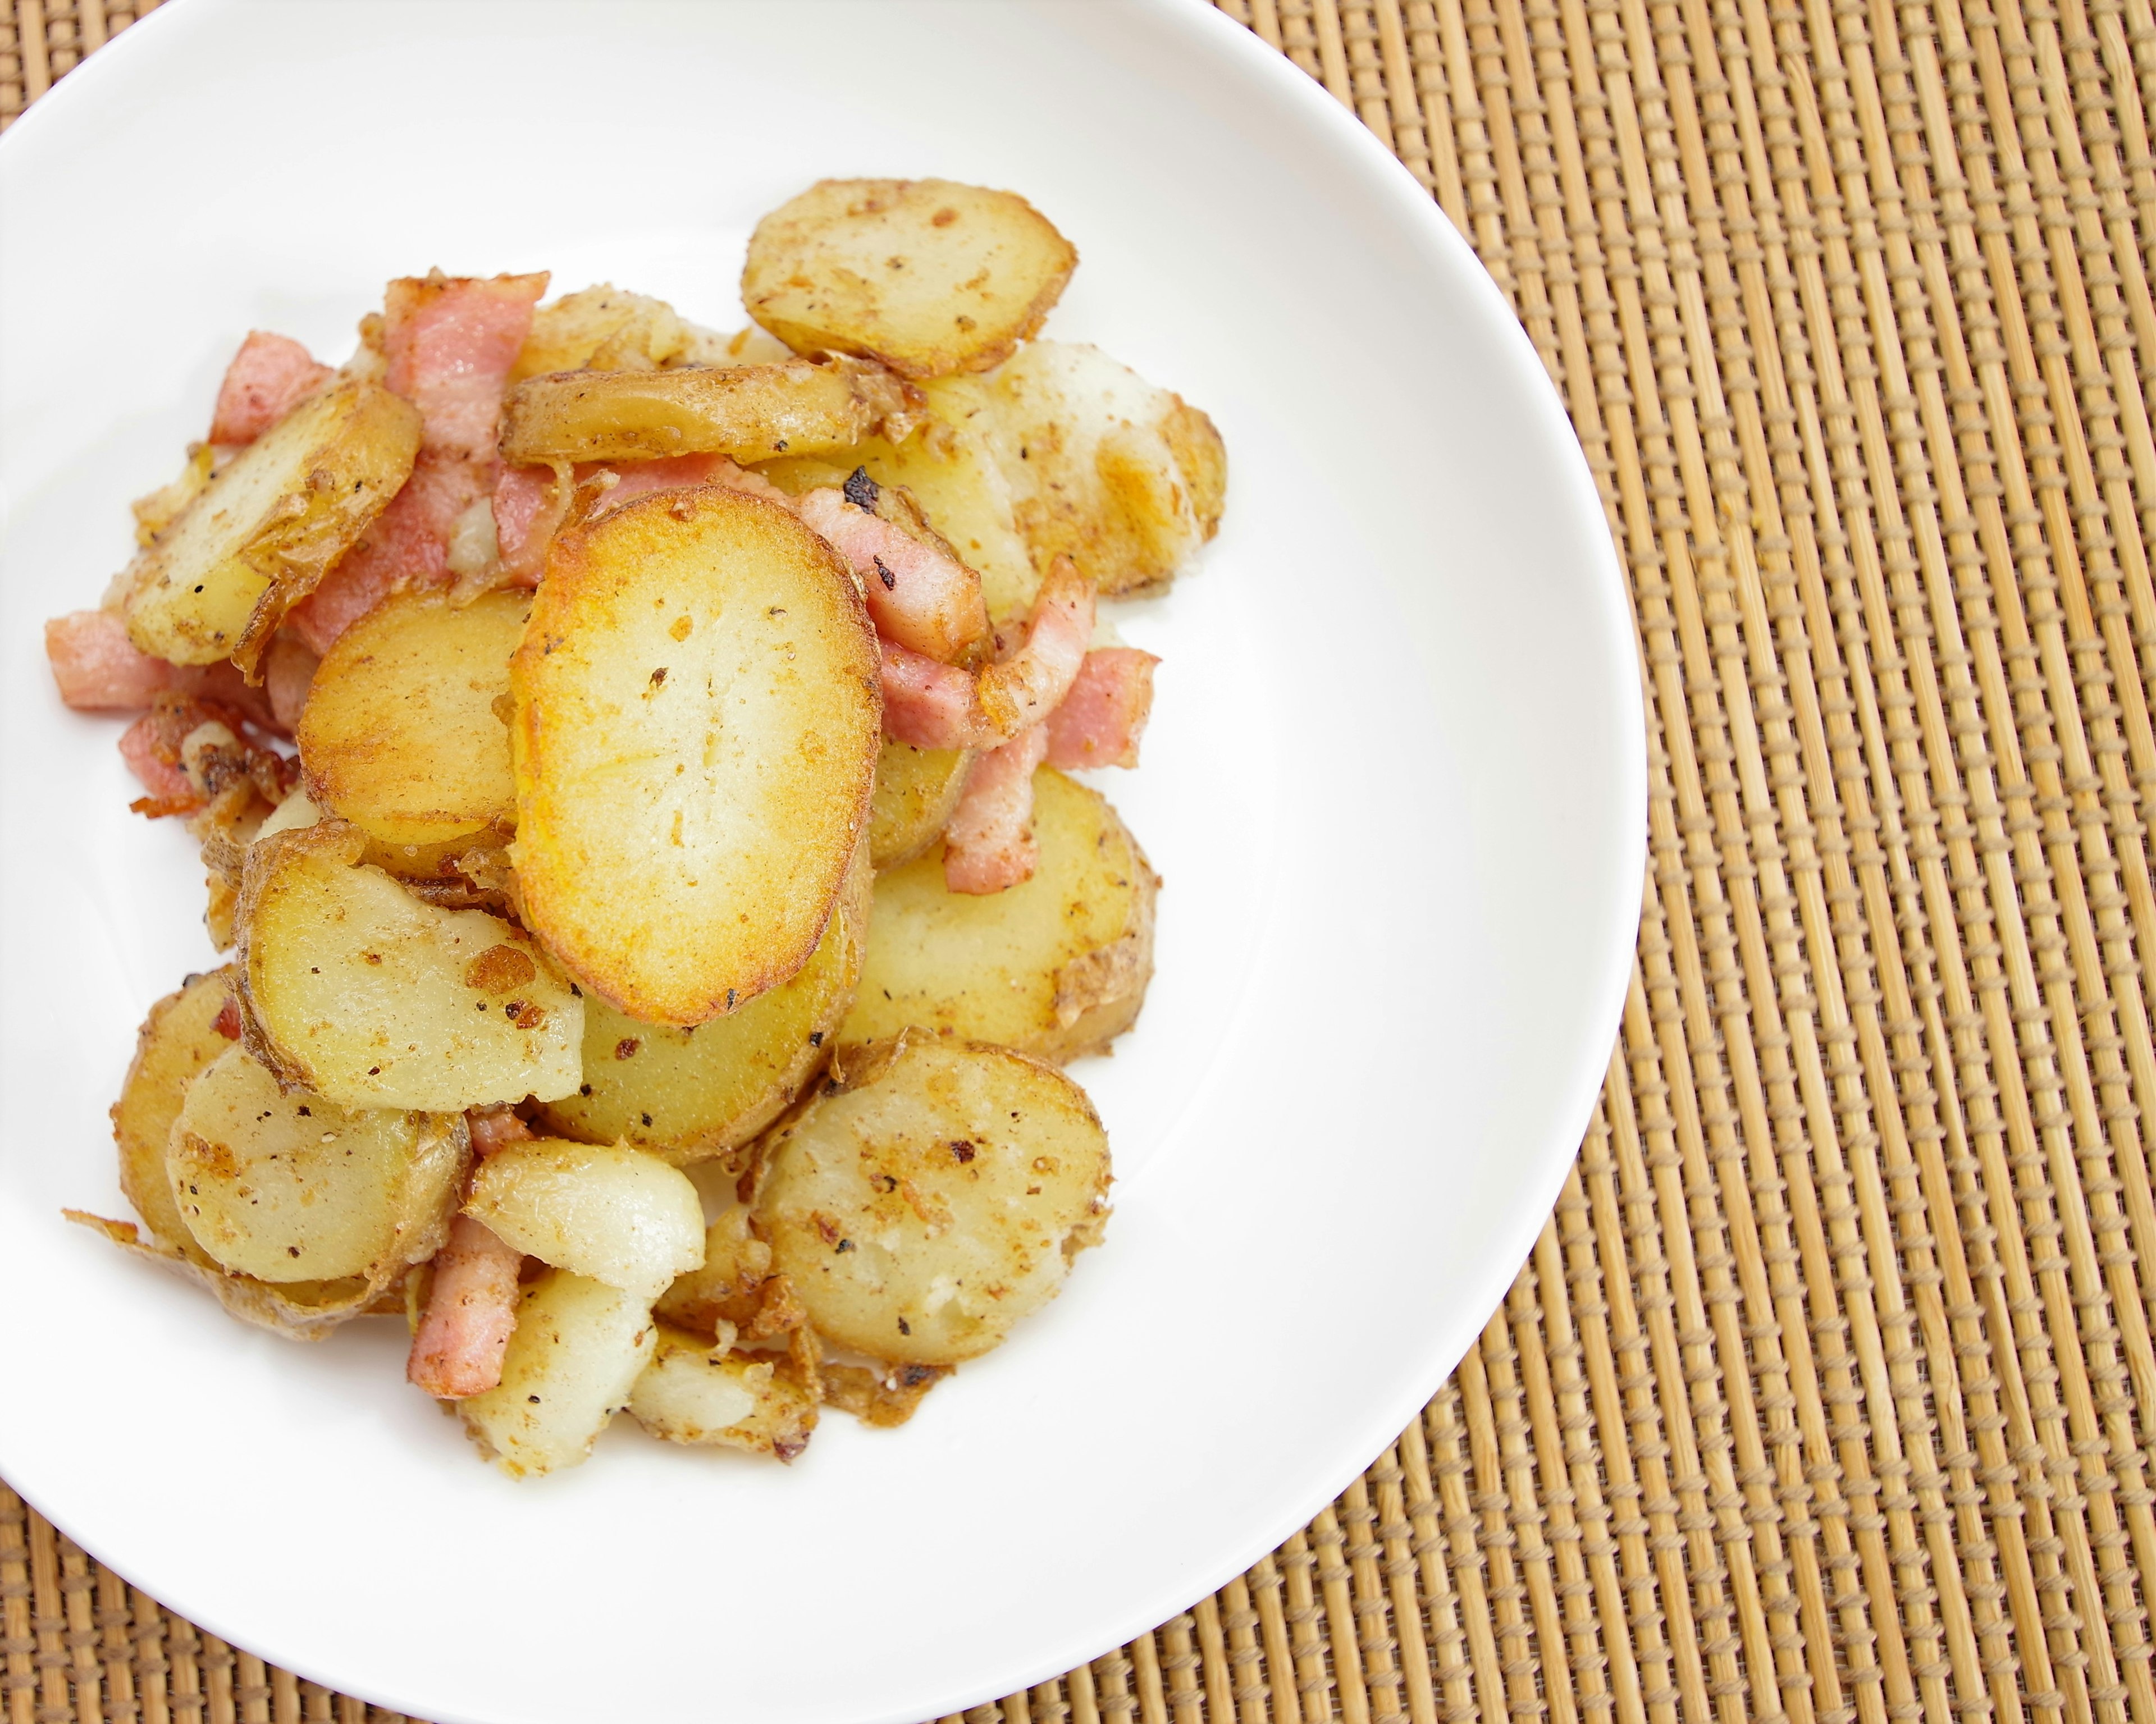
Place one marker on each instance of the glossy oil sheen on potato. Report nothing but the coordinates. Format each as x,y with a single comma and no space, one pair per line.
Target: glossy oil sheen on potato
1054,966
933,1198
698,705
691,1093
404,731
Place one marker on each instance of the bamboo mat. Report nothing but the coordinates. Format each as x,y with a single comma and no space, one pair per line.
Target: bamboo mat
1828,1391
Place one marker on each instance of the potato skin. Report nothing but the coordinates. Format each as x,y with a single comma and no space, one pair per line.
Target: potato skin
177,1042
689,1094
1056,967
928,276
698,705
931,1196
261,536
401,733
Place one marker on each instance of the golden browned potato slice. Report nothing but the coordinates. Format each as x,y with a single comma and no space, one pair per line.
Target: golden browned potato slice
934,1195
403,733
602,1210
724,1292
698,703
1056,966
885,1397
916,790
692,1392
266,530
1126,479
927,275
604,328
177,1042
689,1094
156,511
576,1351
287,1186
356,989
751,412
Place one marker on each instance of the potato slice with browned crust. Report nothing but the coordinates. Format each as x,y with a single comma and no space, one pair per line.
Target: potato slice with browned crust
698,704
693,1392
404,733
934,1195
605,328
177,1042
916,790
928,276
288,1187
1056,966
751,412
265,531
353,987
692,1093
1126,479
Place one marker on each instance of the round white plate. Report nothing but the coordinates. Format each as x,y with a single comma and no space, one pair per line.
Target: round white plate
1394,782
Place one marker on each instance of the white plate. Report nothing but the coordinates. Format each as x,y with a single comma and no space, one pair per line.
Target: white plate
1395,782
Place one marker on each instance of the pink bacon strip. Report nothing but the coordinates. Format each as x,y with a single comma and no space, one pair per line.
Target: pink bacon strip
471,1310
989,845
269,376
919,598
1100,719
99,670
451,342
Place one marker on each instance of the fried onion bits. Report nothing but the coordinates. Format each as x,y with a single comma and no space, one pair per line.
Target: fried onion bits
696,713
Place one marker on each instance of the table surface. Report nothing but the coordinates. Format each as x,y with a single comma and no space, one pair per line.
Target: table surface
1828,1391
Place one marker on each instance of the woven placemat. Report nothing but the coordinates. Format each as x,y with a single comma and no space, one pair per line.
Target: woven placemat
1827,1390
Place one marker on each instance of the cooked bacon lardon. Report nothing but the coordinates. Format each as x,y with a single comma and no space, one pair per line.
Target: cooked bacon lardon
185,751
471,1309
1105,713
989,845
269,376
919,596
408,545
99,670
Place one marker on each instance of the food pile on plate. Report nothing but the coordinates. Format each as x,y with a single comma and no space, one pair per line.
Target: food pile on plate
619,749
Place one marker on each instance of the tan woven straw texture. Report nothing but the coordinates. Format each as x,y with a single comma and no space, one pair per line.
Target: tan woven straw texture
1828,1391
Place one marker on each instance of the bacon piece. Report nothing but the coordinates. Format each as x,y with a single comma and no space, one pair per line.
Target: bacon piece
226,1023
99,669
989,845
407,545
288,672
1100,721
450,341
1031,683
186,750
926,702
495,1128
157,768
269,376
919,595
471,1309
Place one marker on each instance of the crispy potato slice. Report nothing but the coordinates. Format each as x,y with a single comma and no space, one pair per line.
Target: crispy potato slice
602,1210
579,1347
1125,479
751,412
689,1094
403,733
266,530
916,790
698,704
692,1392
287,1186
725,1291
1056,966
177,1042
885,1397
354,988
928,276
932,1196
604,328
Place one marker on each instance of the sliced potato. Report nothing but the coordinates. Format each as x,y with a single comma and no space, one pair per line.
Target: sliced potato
177,1042
692,1093
604,329
356,989
885,1397
1125,479
287,1186
602,1210
156,510
932,1196
404,731
751,412
692,1392
577,1349
916,791
928,276
265,530
1056,966
725,1291
698,705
